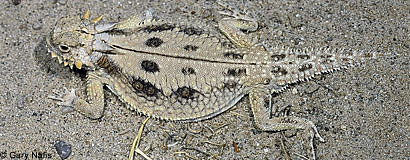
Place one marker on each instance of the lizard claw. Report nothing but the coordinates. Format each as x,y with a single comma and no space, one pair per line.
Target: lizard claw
66,98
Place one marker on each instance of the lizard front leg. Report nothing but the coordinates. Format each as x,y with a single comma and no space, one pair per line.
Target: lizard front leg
92,109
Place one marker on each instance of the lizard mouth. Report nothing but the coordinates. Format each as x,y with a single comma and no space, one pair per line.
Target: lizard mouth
64,59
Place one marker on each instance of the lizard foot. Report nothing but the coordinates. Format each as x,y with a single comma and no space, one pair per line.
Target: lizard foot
67,98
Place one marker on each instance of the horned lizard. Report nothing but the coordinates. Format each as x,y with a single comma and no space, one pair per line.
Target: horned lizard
180,73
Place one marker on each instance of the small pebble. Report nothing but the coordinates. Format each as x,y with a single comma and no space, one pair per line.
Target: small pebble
37,25
329,39
63,149
61,2
16,2
343,127
23,27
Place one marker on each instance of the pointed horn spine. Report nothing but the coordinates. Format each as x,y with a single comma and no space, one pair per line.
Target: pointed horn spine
86,14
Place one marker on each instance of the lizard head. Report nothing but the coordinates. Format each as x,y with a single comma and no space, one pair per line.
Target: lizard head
71,41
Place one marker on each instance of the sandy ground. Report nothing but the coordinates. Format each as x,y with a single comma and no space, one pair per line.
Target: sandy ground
362,112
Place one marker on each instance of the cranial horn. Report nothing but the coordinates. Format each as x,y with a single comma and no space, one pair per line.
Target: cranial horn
60,60
53,54
86,14
78,64
95,20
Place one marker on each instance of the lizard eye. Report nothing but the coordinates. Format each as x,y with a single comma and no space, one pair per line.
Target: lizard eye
64,48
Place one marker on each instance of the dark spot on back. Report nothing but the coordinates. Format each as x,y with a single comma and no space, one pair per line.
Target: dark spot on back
146,88
278,57
230,84
346,59
159,28
277,69
154,42
149,66
305,67
367,55
191,48
303,56
233,55
16,2
139,86
326,56
187,71
186,92
192,31
236,72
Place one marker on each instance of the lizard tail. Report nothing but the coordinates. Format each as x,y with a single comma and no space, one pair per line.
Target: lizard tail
293,65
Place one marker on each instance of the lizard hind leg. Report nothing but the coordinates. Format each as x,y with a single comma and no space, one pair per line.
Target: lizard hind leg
264,122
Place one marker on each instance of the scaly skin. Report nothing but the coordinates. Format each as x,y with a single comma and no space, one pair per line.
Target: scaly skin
180,73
